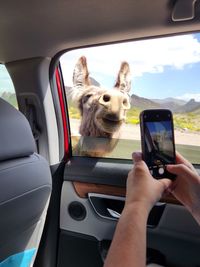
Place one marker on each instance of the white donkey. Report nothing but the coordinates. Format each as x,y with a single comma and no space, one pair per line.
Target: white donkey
103,111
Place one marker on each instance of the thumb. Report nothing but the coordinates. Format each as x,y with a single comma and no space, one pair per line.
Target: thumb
137,156
138,161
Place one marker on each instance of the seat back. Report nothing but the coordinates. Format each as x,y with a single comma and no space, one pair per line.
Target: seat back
25,188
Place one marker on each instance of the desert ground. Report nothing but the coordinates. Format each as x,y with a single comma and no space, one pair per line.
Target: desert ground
130,131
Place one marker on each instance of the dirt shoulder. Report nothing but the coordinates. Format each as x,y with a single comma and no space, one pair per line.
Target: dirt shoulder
130,131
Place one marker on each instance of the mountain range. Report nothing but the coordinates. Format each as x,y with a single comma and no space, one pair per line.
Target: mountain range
175,105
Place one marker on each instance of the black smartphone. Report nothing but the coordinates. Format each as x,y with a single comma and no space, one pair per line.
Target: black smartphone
157,141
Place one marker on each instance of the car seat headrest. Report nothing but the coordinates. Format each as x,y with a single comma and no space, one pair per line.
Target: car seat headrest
16,139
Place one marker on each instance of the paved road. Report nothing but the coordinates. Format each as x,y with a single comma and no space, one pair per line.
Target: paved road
130,131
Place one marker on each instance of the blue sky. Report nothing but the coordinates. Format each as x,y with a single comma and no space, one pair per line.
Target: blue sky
160,68
170,83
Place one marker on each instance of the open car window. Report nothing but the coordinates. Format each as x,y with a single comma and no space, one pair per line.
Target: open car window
7,90
108,86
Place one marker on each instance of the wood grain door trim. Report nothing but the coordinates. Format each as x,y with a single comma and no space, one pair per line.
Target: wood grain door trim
82,190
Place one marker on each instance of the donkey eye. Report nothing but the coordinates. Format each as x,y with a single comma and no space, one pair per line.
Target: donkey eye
86,97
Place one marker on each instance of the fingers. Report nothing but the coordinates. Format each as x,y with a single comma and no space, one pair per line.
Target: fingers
180,169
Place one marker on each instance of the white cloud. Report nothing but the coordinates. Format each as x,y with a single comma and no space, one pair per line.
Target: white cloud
189,96
149,56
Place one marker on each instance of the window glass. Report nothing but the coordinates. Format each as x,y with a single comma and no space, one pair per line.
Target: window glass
7,91
108,86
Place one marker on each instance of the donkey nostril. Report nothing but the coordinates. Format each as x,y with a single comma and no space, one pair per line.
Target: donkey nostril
125,102
106,98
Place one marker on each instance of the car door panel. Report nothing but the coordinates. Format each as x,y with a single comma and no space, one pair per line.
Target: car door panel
97,170
176,236
104,176
82,189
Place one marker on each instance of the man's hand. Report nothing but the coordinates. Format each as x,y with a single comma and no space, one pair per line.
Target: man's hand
128,247
186,187
142,188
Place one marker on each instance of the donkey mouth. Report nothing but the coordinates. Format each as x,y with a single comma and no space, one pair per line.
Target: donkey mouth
110,126
111,122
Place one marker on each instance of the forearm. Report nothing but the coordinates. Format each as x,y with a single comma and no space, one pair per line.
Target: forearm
128,247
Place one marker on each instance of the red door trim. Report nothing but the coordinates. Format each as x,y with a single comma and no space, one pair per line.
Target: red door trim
63,111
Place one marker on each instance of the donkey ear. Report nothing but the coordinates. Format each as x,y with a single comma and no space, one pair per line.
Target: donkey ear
80,80
123,82
81,74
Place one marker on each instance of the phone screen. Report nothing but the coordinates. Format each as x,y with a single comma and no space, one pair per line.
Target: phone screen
158,141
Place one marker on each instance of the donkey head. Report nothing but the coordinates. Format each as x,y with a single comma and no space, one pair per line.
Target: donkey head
103,110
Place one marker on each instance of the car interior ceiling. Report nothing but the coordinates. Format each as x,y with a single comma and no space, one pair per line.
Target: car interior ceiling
48,27
34,34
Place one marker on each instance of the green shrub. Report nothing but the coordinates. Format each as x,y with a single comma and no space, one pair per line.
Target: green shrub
132,116
189,121
74,113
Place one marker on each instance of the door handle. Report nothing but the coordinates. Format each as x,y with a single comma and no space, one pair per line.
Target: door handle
111,207
114,213
107,207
